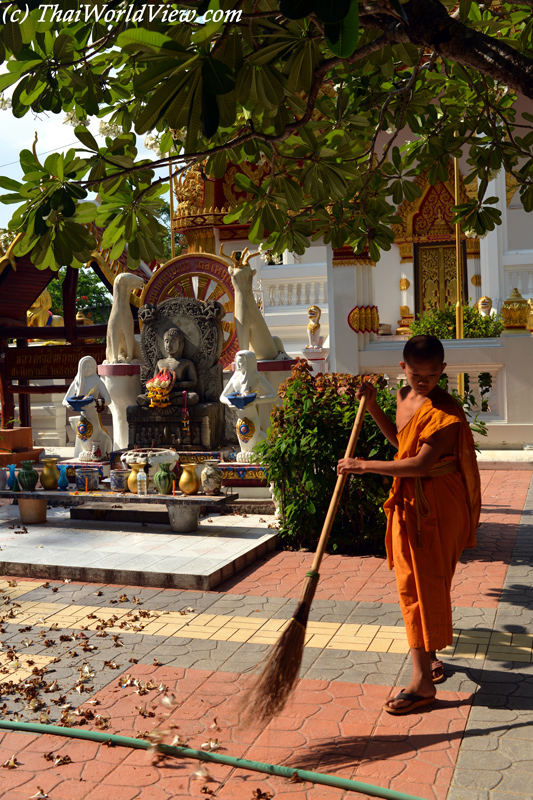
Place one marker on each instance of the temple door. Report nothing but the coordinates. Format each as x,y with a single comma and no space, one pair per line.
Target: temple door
436,275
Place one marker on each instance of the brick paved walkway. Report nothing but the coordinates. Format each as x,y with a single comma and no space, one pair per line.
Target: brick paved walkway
110,654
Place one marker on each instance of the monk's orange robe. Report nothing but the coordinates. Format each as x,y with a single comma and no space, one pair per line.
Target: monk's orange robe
430,521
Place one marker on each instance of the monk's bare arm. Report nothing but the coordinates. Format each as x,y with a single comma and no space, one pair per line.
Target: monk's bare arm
440,444
386,425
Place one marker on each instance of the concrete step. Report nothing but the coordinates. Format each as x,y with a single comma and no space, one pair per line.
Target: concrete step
115,512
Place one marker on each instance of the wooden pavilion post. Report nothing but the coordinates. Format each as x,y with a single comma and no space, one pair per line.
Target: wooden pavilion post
459,330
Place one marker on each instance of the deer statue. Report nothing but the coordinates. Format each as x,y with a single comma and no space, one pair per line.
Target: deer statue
252,330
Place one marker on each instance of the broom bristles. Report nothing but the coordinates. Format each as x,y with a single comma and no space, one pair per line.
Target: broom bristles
273,687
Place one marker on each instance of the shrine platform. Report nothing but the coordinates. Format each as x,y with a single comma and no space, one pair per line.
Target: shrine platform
135,553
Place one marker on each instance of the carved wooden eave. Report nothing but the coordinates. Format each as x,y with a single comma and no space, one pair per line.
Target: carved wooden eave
345,257
405,233
202,203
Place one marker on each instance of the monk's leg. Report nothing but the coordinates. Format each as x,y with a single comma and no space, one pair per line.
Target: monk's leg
421,683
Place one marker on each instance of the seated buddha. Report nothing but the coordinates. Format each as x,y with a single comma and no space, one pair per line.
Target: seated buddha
173,376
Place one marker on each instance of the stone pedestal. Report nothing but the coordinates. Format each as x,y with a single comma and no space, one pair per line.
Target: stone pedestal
318,358
275,372
123,382
235,474
149,427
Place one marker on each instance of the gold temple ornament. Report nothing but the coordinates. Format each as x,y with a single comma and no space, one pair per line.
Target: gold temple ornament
515,313
364,319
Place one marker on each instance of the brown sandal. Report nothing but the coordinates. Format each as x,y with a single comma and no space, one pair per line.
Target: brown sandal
437,671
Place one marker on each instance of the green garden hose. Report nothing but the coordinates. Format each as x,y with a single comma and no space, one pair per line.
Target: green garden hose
215,758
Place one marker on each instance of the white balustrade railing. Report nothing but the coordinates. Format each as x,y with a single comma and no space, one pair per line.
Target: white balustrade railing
487,404
291,292
483,360
521,279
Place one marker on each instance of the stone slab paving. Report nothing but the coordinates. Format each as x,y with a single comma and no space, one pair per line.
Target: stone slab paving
130,553
65,645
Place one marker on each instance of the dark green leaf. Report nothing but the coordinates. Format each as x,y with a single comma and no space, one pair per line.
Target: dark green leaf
217,77
346,36
86,137
331,11
210,112
296,9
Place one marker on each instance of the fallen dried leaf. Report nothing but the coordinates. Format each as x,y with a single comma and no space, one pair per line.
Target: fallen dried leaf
210,745
41,794
295,778
179,741
201,774
11,763
168,700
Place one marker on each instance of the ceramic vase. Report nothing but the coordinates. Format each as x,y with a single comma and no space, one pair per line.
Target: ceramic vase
132,478
63,481
50,474
12,477
3,478
118,480
189,481
87,479
27,477
211,477
164,479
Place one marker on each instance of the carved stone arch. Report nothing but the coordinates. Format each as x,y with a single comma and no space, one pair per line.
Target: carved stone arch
428,217
200,276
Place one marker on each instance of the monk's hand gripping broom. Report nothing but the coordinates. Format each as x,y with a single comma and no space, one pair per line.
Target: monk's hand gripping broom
274,685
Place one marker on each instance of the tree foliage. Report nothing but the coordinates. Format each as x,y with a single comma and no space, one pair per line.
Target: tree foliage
92,297
318,91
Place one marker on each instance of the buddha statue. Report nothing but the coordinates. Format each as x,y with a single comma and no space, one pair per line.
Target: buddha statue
39,315
405,321
173,378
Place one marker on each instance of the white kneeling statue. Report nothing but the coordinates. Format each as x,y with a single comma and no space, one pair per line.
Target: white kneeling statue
245,390
86,383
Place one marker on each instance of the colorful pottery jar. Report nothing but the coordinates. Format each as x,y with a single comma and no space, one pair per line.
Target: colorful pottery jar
63,481
211,477
132,477
50,474
27,477
118,480
164,479
3,478
87,478
189,481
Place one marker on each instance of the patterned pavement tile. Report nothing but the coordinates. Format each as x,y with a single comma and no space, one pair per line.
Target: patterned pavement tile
325,727
85,639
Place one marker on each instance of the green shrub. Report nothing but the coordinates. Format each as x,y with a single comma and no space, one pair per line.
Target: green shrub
441,323
309,434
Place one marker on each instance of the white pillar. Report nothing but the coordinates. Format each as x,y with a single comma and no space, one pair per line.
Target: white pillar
342,297
492,247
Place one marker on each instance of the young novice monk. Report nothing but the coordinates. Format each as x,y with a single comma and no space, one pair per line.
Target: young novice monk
432,511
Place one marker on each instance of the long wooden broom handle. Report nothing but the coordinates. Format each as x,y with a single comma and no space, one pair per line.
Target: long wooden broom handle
341,480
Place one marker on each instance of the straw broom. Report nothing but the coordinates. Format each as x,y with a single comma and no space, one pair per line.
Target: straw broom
274,685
